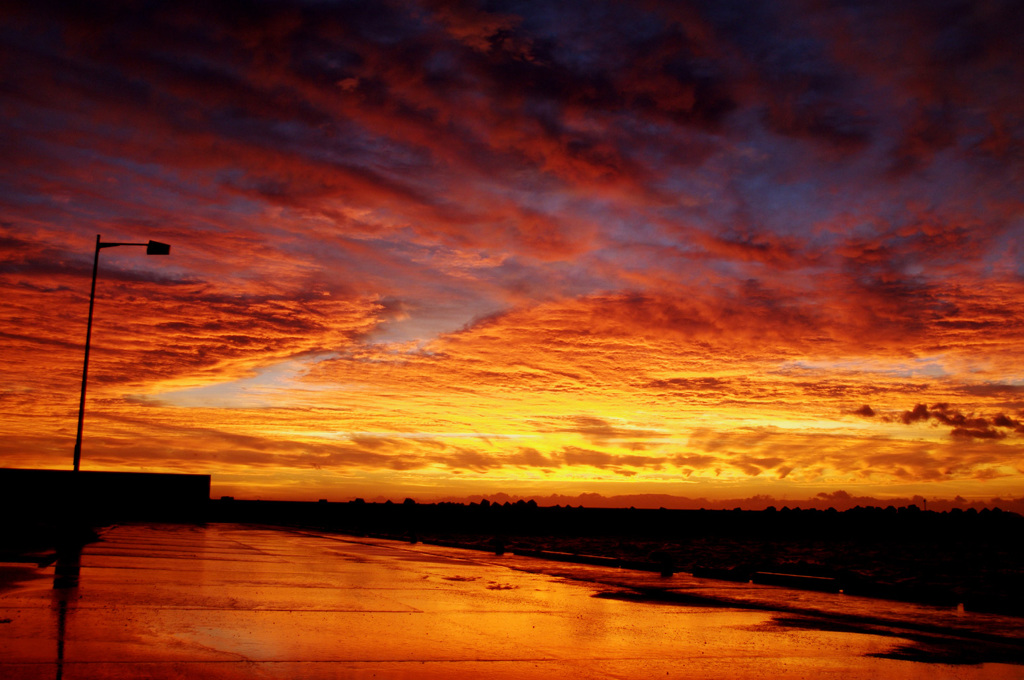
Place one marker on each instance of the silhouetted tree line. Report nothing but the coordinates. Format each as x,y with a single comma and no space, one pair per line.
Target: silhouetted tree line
525,518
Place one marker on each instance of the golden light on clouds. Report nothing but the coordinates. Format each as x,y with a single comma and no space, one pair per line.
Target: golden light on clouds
452,251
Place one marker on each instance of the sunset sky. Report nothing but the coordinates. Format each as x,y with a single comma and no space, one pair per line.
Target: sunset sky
711,249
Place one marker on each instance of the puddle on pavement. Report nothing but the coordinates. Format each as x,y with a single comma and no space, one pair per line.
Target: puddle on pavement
328,605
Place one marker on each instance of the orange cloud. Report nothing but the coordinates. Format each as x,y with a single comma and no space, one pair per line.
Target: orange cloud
450,244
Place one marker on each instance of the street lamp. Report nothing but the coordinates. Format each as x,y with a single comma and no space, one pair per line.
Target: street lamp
152,248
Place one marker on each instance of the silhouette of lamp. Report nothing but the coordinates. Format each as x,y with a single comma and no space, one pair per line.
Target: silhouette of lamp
152,248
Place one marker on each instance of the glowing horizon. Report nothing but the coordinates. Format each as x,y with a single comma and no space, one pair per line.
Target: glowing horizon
432,249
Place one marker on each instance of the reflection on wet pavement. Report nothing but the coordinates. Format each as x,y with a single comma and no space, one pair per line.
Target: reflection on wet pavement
226,601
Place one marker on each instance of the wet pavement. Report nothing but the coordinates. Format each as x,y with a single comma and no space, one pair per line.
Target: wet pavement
231,601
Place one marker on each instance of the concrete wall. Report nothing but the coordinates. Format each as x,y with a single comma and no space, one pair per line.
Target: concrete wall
104,496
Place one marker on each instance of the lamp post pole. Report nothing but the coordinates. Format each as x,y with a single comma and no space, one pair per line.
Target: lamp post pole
152,248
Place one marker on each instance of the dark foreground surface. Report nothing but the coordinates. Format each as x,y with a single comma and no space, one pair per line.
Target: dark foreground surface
969,560
960,559
234,601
